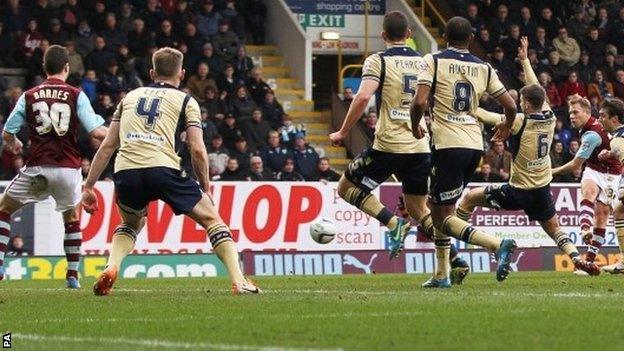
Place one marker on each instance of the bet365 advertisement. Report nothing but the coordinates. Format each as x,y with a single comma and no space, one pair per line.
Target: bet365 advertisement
134,266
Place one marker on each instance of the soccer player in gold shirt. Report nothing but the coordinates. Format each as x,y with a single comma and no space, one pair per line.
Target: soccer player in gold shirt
455,80
529,185
147,168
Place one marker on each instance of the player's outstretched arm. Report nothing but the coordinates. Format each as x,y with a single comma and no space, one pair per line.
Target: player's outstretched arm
503,130
199,156
99,163
418,107
488,117
13,125
358,105
575,164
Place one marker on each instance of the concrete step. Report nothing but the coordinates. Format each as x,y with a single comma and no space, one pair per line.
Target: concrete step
309,117
283,83
289,94
263,61
298,105
276,72
261,50
318,128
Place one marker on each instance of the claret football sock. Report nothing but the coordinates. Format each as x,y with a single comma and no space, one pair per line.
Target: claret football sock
596,243
5,230
71,243
587,214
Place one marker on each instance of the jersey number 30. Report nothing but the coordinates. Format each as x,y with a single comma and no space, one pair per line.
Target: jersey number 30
462,96
55,116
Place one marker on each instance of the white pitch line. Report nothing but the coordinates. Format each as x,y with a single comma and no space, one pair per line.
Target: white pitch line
156,343
449,292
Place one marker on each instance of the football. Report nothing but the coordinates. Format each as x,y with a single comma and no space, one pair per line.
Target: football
323,231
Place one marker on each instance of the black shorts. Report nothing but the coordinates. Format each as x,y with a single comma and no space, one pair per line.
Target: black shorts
135,188
451,170
373,167
537,203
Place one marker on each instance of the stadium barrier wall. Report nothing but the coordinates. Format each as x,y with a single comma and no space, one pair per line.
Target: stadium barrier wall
277,215
293,263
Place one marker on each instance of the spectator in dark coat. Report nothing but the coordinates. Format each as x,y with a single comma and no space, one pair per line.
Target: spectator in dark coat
542,45
556,68
242,104
112,81
256,85
125,18
56,35
526,23
84,39
243,64
507,71
209,128
166,36
225,41
486,40
257,172
182,16
215,62
243,153
549,22
7,45
232,172
274,155
585,67
99,58
228,82
230,131
208,20
193,40
212,102
255,13
512,42
306,158
594,45
288,173
272,110
152,15
15,16
476,22
139,38
609,66
256,130
97,16
113,36
43,11
498,25
578,26
324,172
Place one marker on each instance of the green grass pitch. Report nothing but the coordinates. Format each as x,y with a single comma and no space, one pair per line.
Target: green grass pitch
529,311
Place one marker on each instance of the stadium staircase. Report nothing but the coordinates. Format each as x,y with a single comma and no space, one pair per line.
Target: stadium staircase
277,74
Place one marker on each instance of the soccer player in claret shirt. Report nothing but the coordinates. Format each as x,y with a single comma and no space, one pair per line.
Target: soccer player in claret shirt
390,75
529,185
147,168
612,119
600,177
455,80
51,112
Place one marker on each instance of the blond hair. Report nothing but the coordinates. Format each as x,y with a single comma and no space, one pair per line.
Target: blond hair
167,62
583,102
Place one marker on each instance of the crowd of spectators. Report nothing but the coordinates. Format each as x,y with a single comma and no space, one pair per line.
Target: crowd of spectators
110,45
575,47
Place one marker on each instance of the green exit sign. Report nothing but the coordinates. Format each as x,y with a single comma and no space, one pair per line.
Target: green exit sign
318,20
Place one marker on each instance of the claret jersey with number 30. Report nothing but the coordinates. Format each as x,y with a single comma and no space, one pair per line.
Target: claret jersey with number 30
148,119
